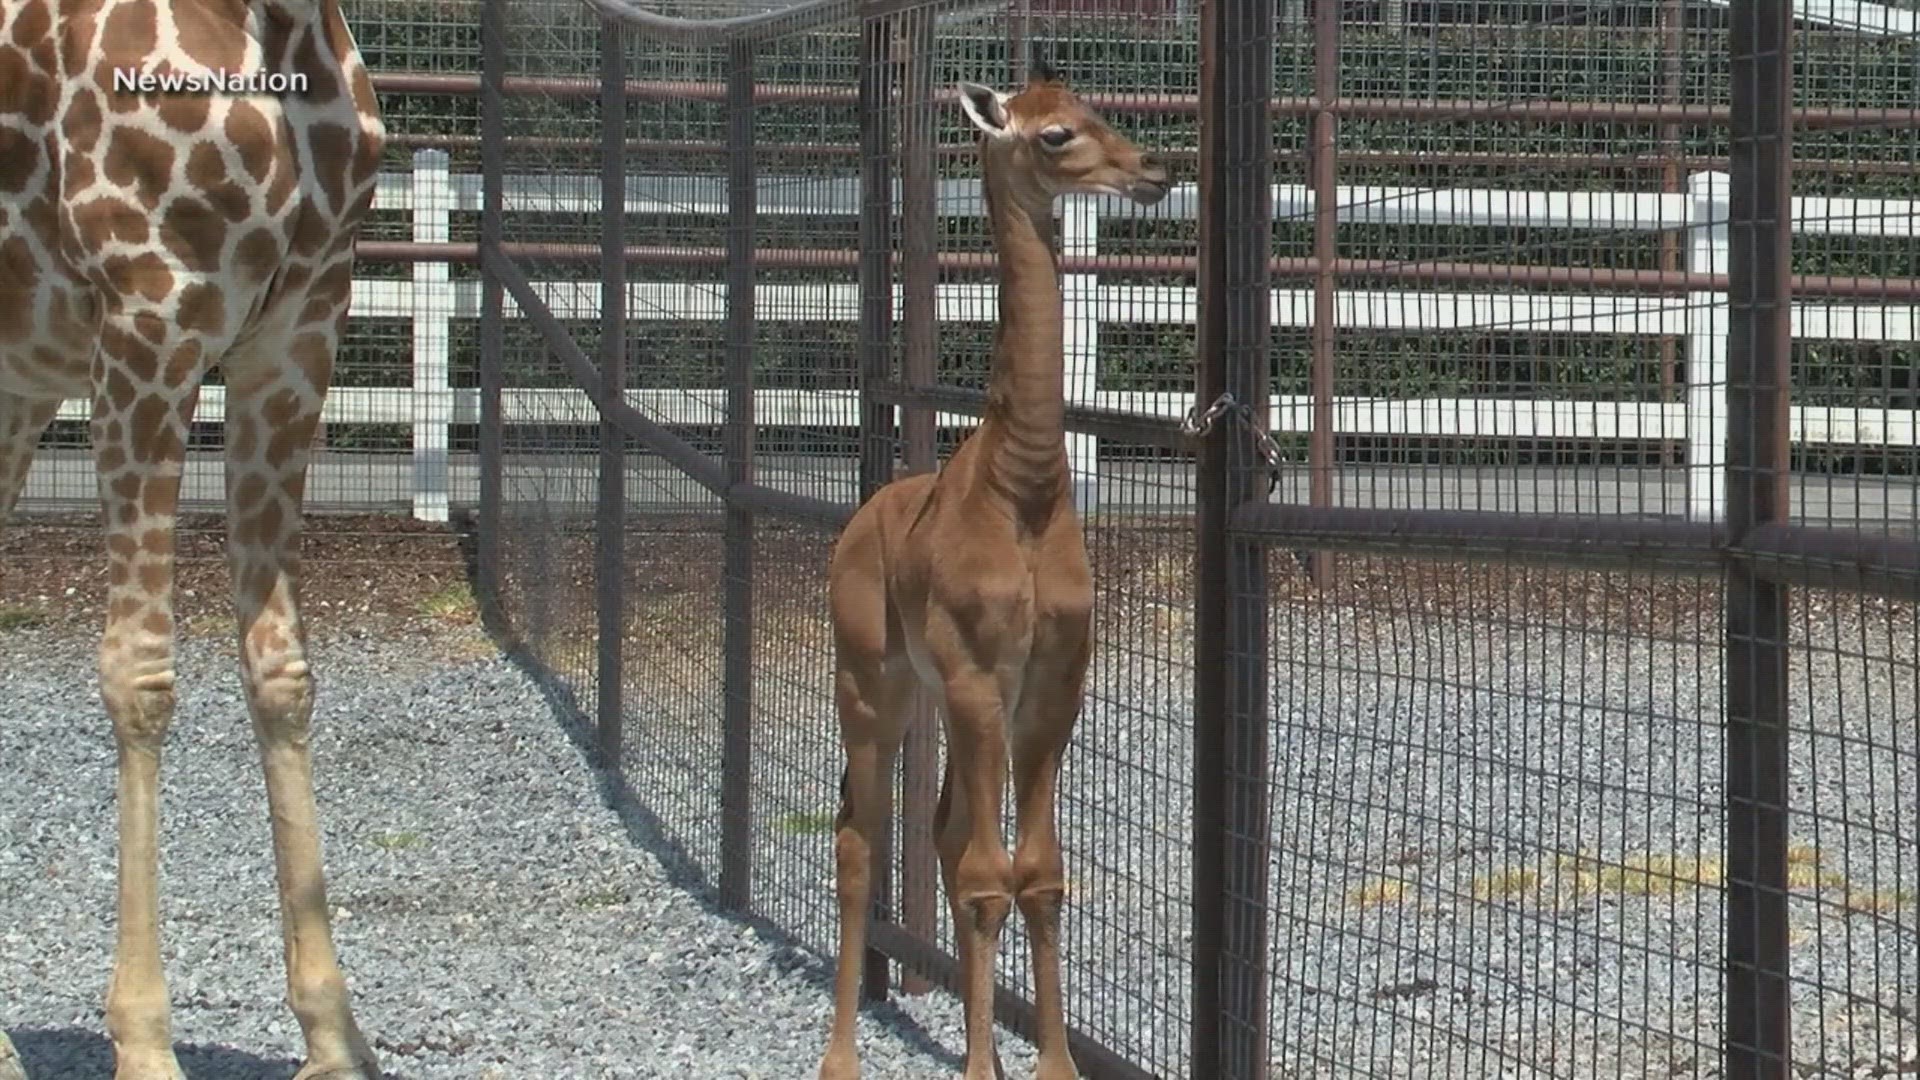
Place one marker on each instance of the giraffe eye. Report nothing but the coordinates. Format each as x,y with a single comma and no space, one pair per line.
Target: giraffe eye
1056,137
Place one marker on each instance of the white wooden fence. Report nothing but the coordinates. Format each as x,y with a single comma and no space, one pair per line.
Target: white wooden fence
430,193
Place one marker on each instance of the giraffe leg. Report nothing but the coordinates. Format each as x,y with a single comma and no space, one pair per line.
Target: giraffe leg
272,409
1042,727
22,420
10,1066
873,701
139,446
973,860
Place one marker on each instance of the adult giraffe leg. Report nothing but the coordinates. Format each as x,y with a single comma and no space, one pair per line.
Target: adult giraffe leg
1042,729
973,860
22,420
140,418
272,409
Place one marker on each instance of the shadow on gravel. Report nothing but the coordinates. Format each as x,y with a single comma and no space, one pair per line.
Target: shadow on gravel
646,830
75,1054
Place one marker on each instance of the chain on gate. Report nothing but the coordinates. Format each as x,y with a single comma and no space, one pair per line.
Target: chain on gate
1197,424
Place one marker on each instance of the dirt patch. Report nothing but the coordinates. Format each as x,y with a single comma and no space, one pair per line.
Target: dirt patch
363,573
390,574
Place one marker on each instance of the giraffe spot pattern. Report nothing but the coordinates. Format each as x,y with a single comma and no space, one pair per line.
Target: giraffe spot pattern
194,233
19,160
140,161
212,32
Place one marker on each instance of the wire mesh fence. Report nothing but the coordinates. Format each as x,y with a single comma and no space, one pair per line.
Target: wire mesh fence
1507,675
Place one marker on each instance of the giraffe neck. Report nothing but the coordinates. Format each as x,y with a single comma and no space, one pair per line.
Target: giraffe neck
1026,386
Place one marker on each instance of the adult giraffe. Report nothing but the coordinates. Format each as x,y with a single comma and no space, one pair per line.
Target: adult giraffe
144,238
973,581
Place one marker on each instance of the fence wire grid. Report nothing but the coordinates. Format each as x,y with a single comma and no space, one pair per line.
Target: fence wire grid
1519,684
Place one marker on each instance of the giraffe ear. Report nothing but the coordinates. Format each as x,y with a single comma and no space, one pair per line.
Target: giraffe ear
986,107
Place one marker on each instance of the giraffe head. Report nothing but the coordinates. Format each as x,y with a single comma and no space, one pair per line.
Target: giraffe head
1047,142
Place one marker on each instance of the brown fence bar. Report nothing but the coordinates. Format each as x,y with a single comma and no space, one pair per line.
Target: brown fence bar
1125,427
1324,170
1759,343
1436,110
919,272
1430,273
875,261
736,753
1230,782
1884,566
610,515
492,296
1660,162
1822,558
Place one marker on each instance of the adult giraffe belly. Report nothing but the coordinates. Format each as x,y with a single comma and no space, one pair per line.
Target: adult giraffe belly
48,318
215,160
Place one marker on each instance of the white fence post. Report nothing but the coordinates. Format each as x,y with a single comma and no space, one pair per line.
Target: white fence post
1080,238
1707,318
432,396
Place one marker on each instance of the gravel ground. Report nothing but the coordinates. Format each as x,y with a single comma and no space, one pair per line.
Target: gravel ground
497,916
1486,785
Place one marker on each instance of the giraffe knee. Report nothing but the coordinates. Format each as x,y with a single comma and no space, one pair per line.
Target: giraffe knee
282,698
140,703
1037,873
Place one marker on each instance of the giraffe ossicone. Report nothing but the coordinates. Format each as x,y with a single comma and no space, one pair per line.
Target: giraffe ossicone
147,235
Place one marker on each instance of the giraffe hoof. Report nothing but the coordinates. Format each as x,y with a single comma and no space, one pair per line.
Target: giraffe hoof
160,1066
11,1067
363,1071
839,1065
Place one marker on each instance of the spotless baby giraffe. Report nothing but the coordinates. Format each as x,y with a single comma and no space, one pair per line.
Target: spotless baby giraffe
147,233
973,582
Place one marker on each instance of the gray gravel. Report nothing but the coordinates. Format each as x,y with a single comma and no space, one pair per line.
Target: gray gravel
502,916
496,917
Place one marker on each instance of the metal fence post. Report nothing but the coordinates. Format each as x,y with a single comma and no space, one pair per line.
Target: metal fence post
610,557
876,349
736,770
1230,775
1323,165
920,275
1758,362
493,65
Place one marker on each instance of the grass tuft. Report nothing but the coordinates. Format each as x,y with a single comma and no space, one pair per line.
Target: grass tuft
806,824
453,603
15,617
1503,884
1377,893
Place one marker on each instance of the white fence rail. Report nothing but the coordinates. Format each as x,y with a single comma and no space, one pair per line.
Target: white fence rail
433,302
